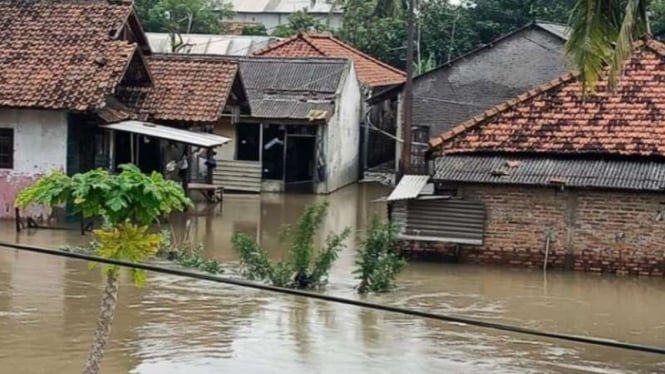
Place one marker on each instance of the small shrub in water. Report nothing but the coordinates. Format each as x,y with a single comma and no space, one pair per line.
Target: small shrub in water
305,266
378,260
187,255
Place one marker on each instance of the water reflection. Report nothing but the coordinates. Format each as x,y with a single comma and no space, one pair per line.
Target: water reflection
48,310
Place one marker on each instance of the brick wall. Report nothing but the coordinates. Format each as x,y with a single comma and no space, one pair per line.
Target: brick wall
614,232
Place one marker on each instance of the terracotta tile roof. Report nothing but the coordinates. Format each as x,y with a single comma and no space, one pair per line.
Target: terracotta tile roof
188,87
61,55
556,118
371,71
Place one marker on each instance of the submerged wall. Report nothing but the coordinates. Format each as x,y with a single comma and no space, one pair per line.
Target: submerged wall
40,146
612,232
342,138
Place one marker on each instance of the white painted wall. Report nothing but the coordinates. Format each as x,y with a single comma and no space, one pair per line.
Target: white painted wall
225,128
342,136
40,146
272,20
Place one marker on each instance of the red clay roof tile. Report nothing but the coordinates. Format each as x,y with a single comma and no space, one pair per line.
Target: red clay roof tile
62,55
556,118
188,88
371,71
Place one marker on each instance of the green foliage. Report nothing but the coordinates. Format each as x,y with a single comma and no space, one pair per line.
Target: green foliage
602,34
186,254
130,196
305,266
258,29
426,65
299,22
129,202
448,29
183,16
378,261
127,242
365,28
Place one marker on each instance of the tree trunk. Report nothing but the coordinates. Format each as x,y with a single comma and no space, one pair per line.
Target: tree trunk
109,301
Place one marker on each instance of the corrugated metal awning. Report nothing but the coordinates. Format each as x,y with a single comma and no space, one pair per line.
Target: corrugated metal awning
409,187
169,133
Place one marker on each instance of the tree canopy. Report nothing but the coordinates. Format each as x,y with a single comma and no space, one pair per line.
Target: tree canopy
446,28
299,22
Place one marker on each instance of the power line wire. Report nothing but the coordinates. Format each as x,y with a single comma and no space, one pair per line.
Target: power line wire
363,304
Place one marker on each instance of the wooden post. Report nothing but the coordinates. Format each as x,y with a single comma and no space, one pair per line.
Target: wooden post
211,169
112,151
18,219
131,148
408,93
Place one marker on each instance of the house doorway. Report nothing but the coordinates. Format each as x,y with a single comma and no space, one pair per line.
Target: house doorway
150,157
273,152
249,138
300,157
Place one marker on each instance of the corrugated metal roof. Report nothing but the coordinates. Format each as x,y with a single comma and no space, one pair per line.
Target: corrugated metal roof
409,187
169,133
292,88
293,74
230,45
557,29
283,6
639,175
284,107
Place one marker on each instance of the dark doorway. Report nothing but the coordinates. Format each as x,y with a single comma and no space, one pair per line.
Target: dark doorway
273,152
249,137
149,154
123,154
300,162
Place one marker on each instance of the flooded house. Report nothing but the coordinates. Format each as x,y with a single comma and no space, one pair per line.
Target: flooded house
71,75
59,64
197,93
302,134
374,76
478,80
551,178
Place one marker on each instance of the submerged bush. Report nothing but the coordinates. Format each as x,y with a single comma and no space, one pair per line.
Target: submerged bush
378,260
305,267
187,254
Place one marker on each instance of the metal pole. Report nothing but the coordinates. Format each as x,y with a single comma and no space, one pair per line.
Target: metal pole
408,92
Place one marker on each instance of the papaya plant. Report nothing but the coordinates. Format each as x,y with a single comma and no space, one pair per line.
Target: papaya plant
128,203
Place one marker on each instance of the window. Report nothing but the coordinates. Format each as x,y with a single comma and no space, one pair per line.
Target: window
6,148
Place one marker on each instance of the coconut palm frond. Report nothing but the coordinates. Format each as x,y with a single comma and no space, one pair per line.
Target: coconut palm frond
592,32
602,33
633,25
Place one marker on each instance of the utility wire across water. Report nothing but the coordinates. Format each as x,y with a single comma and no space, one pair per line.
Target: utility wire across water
386,308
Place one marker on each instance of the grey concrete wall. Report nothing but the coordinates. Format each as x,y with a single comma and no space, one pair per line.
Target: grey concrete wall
513,66
453,94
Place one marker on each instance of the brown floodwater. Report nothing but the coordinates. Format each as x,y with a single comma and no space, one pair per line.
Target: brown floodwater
49,306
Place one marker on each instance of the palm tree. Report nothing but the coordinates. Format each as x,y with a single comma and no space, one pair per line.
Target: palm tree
602,33
128,202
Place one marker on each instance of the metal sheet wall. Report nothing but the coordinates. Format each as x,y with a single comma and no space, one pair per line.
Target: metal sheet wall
452,221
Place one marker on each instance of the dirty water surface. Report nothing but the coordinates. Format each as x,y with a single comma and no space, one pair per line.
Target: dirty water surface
49,307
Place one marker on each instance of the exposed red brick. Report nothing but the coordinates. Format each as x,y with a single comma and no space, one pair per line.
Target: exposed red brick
595,231
371,71
61,56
